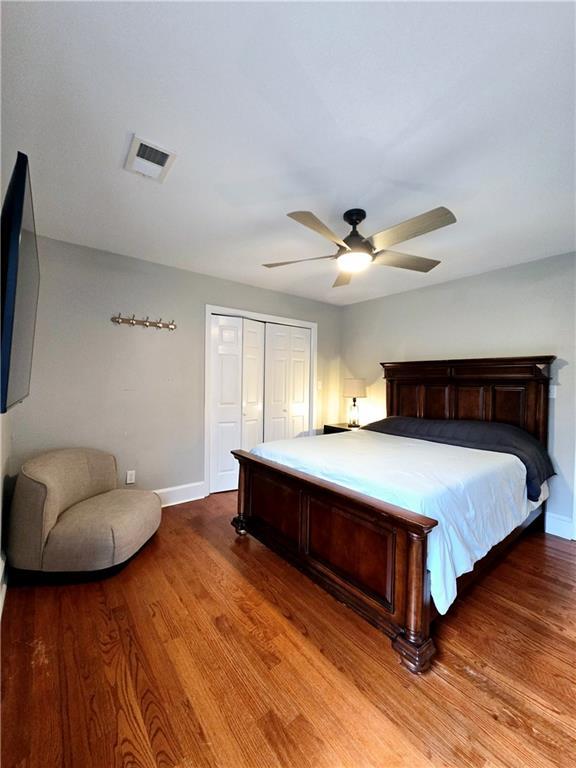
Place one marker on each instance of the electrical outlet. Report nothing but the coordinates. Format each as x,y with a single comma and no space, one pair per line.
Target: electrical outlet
130,476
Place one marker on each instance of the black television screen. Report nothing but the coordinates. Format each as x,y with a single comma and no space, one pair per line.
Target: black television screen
20,285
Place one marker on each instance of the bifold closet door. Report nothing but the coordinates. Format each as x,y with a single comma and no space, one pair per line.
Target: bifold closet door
252,383
259,389
226,401
287,382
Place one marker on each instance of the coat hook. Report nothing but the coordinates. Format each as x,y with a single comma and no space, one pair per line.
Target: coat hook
146,323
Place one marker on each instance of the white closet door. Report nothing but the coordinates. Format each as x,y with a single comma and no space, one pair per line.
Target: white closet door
299,382
276,426
287,389
252,384
226,396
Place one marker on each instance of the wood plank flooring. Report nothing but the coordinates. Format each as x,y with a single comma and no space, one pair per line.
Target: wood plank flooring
209,651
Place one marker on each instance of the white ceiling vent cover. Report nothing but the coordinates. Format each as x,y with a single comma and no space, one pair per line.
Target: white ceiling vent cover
148,159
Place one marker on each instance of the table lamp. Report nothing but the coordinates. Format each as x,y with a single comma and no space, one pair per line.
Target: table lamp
354,388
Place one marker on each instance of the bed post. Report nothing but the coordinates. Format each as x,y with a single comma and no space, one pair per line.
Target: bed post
239,522
414,645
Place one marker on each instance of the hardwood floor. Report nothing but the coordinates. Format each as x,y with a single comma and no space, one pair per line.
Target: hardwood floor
208,650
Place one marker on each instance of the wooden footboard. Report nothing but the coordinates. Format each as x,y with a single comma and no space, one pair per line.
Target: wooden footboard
369,554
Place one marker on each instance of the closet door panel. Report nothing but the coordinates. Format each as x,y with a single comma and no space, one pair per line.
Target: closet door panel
299,396
276,404
252,384
226,401
287,382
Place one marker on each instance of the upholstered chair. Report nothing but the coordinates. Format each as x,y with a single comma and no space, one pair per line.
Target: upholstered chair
67,514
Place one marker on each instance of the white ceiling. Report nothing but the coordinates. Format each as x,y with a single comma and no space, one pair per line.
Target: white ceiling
393,107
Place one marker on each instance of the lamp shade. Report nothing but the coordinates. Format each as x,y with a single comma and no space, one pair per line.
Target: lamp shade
354,387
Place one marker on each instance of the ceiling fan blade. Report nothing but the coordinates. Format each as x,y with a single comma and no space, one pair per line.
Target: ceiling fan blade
297,261
404,261
342,279
311,221
406,230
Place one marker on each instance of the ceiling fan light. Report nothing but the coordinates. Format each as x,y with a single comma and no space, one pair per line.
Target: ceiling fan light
354,261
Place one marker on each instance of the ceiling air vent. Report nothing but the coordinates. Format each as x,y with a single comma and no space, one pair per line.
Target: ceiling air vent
148,159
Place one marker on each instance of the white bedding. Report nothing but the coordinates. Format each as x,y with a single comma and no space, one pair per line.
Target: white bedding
477,497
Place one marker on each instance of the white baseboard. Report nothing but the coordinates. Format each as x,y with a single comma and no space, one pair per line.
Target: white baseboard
559,526
178,494
2,581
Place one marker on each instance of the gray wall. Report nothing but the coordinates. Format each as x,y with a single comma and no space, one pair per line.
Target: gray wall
137,392
5,456
140,393
523,310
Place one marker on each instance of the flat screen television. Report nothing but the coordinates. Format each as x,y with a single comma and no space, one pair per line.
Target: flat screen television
20,286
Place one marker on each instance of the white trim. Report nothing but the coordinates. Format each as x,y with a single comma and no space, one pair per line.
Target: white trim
212,309
559,526
178,494
3,585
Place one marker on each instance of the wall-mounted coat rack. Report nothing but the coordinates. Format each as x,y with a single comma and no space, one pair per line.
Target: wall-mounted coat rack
146,323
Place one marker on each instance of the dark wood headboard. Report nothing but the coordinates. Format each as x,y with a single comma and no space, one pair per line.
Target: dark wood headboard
513,390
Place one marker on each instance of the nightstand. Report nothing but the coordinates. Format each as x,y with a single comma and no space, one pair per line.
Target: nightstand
330,429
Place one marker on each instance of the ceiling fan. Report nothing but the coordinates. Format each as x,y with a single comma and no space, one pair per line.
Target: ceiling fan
356,252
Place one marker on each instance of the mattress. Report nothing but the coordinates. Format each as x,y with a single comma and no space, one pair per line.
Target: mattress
478,497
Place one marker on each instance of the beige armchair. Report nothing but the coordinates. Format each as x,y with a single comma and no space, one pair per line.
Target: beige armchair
68,515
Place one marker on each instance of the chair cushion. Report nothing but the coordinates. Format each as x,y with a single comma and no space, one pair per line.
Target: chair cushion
102,531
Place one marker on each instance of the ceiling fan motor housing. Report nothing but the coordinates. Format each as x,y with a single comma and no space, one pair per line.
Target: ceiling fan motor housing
354,240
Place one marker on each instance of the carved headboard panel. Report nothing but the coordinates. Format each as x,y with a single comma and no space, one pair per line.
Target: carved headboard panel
513,390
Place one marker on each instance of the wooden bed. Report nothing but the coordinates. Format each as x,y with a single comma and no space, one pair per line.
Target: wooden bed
372,555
